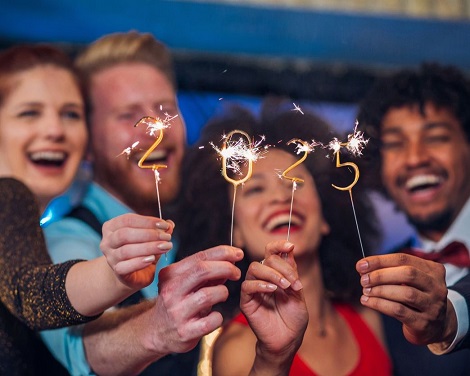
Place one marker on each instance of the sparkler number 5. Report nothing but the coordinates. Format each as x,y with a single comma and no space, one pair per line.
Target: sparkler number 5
356,173
146,120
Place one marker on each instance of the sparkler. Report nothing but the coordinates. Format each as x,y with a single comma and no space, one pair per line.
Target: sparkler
354,145
154,126
302,146
236,154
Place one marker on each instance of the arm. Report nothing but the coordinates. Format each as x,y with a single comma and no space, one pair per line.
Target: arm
32,289
132,245
44,295
126,341
273,303
413,291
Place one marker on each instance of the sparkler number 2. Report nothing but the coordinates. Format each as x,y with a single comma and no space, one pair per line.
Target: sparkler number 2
145,120
154,125
306,148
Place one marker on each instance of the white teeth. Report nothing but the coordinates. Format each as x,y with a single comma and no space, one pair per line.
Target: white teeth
154,155
422,180
282,219
55,156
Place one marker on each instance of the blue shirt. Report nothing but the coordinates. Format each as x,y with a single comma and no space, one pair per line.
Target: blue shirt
70,238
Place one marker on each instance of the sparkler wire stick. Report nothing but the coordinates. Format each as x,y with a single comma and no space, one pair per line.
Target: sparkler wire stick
305,147
153,125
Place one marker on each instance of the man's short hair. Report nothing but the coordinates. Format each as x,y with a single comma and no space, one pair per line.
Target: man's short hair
119,48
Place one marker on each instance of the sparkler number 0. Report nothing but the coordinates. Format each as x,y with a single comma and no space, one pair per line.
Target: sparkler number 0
224,160
356,173
159,139
294,165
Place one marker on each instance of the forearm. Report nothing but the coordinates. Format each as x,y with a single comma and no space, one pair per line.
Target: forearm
118,343
92,287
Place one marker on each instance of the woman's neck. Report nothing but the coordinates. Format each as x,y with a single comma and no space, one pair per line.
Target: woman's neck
318,304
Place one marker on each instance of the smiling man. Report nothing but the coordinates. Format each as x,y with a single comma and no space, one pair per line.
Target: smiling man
419,124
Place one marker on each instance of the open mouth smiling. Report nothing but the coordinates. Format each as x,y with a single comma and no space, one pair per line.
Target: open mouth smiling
48,158
155,157
421,183
280,222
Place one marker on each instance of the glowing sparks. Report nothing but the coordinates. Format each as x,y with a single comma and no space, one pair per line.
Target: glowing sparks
127,151
155,125
297,108
355,143
239,152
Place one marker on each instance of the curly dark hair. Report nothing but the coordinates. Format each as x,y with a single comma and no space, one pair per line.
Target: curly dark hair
204,215
443,86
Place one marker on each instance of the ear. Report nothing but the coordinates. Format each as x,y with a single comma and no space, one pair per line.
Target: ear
237,237
324,227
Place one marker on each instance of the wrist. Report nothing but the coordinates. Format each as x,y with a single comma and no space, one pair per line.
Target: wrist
153,332
449,331
273,364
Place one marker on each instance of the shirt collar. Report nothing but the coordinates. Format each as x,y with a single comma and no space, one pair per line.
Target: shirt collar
458,231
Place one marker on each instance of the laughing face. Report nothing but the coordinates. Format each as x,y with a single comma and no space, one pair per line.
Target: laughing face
42,130
262,208
425,166
121,95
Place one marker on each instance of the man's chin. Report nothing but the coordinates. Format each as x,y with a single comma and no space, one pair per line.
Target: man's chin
432,222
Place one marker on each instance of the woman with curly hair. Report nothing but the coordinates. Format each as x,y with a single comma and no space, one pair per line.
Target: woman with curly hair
300,310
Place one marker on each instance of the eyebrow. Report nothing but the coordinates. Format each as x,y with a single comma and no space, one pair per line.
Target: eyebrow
72,104
395,129
437,124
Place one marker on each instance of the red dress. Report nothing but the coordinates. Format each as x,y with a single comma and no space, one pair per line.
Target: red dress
373,359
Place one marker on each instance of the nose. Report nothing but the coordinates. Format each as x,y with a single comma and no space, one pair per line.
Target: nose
416,154
282,191
54,128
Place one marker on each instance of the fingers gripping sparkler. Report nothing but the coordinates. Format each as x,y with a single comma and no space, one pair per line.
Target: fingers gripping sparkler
355,144
234,155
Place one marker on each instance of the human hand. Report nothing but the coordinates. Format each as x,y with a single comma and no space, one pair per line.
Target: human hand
133,244
188,289
413,291
273,302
